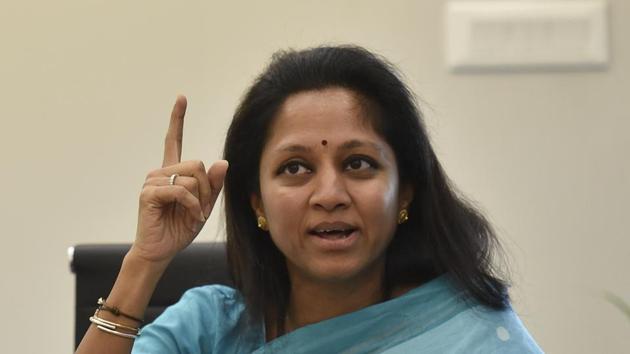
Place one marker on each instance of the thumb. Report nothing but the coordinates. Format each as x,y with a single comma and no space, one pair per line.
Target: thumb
216,176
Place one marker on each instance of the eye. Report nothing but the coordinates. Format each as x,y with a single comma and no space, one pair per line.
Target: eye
359,163
294,168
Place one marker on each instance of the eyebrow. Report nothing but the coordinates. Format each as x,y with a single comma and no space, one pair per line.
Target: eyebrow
295,148
352,144
348,145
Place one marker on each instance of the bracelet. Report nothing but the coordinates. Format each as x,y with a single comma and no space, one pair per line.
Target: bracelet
112,327
120,334
114,324
103,306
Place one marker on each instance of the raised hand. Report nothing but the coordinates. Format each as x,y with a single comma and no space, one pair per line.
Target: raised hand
176,199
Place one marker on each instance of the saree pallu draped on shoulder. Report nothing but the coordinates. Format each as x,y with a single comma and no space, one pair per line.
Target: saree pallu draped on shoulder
433,318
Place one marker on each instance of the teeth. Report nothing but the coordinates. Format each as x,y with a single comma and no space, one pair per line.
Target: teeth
329,231
333,234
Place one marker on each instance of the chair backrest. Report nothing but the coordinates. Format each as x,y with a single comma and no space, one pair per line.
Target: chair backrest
97,265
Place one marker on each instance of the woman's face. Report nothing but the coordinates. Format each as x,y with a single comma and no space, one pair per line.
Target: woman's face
329,187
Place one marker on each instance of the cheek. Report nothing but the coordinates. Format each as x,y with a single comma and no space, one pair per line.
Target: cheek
378,209
377,200
283,209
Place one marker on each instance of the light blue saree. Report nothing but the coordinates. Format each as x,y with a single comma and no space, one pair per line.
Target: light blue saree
433,318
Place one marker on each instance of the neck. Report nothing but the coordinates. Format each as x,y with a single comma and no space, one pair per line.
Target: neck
313,301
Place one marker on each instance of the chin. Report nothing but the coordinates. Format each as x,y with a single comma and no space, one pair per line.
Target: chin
340,271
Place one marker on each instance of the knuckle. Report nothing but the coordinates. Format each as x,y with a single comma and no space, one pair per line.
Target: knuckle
150,181
193,183
181,191
188,183
153,173
146,193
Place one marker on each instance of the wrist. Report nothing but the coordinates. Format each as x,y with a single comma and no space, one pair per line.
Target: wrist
136,260
135,283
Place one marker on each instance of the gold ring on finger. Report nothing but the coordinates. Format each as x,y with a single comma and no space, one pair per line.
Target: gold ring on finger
171,181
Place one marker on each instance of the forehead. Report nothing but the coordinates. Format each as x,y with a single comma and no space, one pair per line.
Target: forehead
330,114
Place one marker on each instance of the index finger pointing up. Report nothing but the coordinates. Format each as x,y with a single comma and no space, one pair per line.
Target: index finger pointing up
174,135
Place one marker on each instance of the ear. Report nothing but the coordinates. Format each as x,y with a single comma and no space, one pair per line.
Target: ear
256,203
405,195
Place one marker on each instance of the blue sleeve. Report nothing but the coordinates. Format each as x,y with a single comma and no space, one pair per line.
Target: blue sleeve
203,321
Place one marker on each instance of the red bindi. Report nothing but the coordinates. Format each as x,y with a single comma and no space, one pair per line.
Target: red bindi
324,142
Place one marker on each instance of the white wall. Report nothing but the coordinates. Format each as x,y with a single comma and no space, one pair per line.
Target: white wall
86,87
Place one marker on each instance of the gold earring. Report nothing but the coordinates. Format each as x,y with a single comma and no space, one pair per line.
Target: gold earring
262,223
403,216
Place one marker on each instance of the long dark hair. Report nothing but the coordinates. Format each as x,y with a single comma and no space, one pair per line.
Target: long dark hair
444,234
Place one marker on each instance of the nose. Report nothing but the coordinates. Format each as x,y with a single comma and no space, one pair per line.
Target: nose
330,192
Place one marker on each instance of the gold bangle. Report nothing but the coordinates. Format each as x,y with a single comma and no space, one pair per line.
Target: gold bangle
120,334
111,328
113,325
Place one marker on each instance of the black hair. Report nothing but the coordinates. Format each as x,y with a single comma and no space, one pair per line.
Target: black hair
444,233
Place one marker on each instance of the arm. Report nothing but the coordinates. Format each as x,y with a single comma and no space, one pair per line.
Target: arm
131,294
174,205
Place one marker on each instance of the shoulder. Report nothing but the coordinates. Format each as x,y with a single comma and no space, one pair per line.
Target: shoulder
501,330
199,322
456,320
206,305
209,295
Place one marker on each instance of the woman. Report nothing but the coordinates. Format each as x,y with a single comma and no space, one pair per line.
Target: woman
343,233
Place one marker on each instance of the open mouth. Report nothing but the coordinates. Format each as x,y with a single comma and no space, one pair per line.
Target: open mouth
335,231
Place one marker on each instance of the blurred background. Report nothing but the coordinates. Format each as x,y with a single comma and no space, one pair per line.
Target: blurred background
86,88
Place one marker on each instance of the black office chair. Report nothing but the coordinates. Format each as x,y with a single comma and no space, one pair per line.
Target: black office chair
96,267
